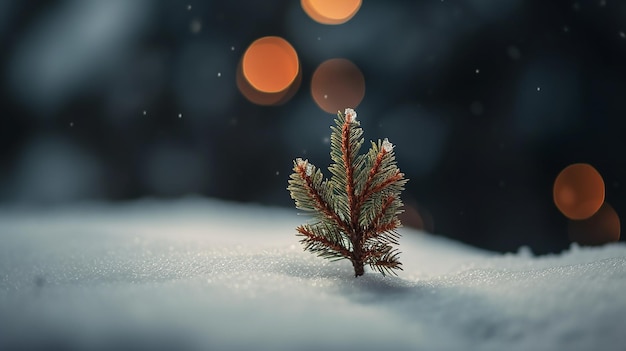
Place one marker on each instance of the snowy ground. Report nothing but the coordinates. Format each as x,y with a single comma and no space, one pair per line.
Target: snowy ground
206,275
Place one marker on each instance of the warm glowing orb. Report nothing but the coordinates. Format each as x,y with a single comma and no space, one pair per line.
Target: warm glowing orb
578,191
331,11
337,84
262,98
601,228
270,64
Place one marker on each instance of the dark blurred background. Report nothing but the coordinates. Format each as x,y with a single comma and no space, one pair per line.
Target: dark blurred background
486,100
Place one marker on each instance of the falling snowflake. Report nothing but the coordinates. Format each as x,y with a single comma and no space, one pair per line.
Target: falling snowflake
195,26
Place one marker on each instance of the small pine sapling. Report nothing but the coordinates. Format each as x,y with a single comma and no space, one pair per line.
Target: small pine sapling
355,212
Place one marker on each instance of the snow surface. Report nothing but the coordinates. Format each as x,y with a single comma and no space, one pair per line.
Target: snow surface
202,274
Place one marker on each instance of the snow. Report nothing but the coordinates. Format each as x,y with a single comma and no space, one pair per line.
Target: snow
387,146
351,116
309,167
198,274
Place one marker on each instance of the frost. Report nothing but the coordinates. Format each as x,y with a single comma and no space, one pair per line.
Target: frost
306,164
387,146
351,116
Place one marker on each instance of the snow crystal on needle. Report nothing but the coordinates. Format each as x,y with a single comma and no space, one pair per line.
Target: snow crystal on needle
309,167
351,115
387,146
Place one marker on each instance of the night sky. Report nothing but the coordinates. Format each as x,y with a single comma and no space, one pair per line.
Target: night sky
485,100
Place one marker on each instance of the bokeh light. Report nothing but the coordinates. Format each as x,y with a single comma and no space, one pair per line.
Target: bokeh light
578,191
331,11
601,228
337,84
416,216
270,64
262,98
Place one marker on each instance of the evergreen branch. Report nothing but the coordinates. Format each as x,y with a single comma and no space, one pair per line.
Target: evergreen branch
387,182
383,233
385,260
382,166
373,172
322,245
381,229
322,206
387,266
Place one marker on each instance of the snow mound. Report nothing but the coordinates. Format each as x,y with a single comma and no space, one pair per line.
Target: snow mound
203,274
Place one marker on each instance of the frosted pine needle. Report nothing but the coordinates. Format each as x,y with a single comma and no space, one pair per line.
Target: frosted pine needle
387,146
351,116
355,212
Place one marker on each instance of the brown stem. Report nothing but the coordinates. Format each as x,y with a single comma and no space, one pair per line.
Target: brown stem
346,151
359,268
357,259
355,233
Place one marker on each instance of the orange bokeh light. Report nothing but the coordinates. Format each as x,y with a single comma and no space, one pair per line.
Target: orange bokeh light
601,228
270,64
331,11
578,191
262,98
337,84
